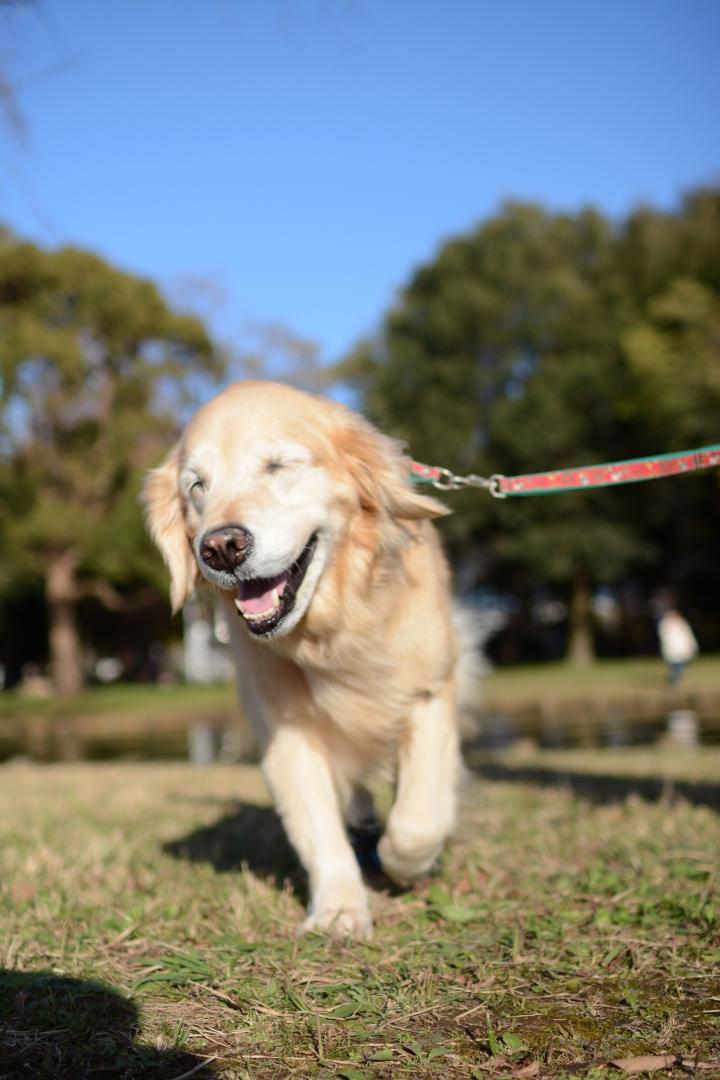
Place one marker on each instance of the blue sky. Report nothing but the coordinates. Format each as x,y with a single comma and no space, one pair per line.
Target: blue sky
294,160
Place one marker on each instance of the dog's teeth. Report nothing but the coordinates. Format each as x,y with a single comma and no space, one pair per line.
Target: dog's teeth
258,616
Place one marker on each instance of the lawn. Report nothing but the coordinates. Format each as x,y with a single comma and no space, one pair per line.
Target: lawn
123,700
148,917
604,679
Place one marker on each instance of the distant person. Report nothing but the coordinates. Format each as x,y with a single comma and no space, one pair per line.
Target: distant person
678,645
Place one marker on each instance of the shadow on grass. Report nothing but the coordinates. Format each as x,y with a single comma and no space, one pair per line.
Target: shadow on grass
249,836
58,1028
253,836
602,788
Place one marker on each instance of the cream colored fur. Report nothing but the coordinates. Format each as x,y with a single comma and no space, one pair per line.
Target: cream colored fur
361,676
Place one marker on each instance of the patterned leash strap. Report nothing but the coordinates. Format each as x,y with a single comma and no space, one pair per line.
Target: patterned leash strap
578,479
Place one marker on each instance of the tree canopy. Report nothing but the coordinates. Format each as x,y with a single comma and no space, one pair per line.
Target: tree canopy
543,340
94,370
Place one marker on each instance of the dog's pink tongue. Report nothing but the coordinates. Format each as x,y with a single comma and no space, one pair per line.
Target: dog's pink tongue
257,596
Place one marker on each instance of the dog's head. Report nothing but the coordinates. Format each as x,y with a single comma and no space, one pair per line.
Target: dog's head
265,490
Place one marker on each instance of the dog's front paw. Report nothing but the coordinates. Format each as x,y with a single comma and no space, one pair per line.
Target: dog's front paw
339,907
341,923
407,856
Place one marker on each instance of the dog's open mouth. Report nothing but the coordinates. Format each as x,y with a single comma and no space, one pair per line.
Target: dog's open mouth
264,602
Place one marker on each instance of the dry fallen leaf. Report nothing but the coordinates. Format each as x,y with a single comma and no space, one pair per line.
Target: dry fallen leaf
646,1063
531,1069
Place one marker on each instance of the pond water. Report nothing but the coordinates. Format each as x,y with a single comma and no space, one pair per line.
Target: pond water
199,743
682,726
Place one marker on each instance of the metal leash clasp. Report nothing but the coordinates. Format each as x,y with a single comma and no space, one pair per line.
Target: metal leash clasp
449,481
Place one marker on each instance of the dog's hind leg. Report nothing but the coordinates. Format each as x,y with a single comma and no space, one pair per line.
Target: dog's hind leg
363,823
423,814
358,806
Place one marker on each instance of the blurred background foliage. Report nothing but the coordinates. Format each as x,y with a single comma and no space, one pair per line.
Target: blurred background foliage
544,340
537,340
96,372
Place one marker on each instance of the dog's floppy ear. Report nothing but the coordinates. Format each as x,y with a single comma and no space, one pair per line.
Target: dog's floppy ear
381,473
164,516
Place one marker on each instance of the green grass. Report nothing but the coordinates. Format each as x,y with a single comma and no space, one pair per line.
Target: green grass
148,917
602,679
121,699
664,762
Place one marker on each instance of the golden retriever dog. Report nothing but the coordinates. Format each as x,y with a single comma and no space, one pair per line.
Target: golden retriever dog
303,519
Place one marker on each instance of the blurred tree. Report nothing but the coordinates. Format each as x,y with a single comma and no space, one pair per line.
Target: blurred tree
542,341
672,348
94,370
673,344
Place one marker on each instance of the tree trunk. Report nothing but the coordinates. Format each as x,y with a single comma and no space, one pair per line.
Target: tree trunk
65,649
581,647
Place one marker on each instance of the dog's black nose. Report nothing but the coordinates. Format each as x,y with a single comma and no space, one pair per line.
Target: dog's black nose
226,548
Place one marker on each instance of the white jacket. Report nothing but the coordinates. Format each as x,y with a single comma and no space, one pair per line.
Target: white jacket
677,641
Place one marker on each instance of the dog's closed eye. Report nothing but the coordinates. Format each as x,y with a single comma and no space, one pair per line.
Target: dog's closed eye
196,492
277,465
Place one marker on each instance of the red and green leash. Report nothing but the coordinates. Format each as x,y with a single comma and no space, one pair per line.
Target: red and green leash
577,479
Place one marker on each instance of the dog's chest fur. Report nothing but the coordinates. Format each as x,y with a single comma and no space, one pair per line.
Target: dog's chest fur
353,693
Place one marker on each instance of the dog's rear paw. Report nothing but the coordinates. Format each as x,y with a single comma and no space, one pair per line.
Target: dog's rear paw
341,923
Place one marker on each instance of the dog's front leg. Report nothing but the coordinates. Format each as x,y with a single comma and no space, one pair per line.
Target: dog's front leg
423,814
299,777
